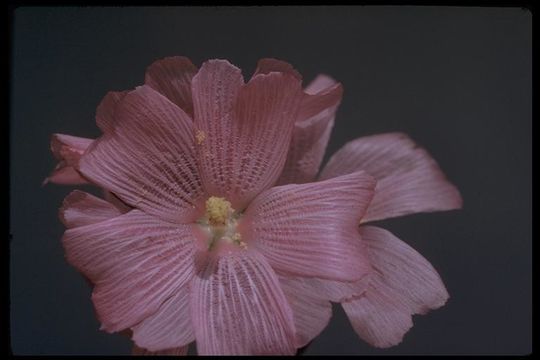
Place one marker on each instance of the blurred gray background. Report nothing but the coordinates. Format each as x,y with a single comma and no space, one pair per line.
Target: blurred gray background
457,80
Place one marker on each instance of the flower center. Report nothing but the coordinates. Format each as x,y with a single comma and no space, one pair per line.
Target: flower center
220,220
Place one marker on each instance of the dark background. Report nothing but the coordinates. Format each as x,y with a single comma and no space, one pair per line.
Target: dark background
457,80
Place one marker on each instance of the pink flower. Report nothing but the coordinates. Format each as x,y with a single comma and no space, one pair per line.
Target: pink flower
198,244
401,282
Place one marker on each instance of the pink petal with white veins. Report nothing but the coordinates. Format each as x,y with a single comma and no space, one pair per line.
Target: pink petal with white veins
243,131
171,77
80,208
326,99
338,291
403,283
378,318
311,313
148,160
312,131
169,327
238,308
106,109
311,229
180,351
136,262
408,179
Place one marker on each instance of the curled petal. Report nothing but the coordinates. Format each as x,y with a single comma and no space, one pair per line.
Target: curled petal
238,308
311,229
171,77
321,84
312,131
80,208
116,202
408,179
68,150
268,65
106,109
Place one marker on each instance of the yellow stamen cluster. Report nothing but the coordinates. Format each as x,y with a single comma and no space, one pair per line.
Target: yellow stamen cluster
220,221
218,210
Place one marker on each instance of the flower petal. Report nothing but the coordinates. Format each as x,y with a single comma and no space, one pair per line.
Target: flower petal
339,291
65,175
179,351
243,131
311,133
105,110
68,149
148,161
311,313
80,208
171,77
268,65
408,179
322,83
136,262
239,308
403,283
311,229
169,327
378,318
325,100
114,200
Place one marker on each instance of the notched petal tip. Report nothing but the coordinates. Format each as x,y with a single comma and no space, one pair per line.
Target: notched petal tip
269,65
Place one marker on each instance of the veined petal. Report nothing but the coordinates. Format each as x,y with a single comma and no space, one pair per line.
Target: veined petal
136,262
378,318
312,131
311,313
80,208
179,351
410,276
238,308
65,175
408,179
403,283
324,100
68,150
311,229
339,291
105,110
268,65
148,159
243,131
171,77
116,202
169,327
